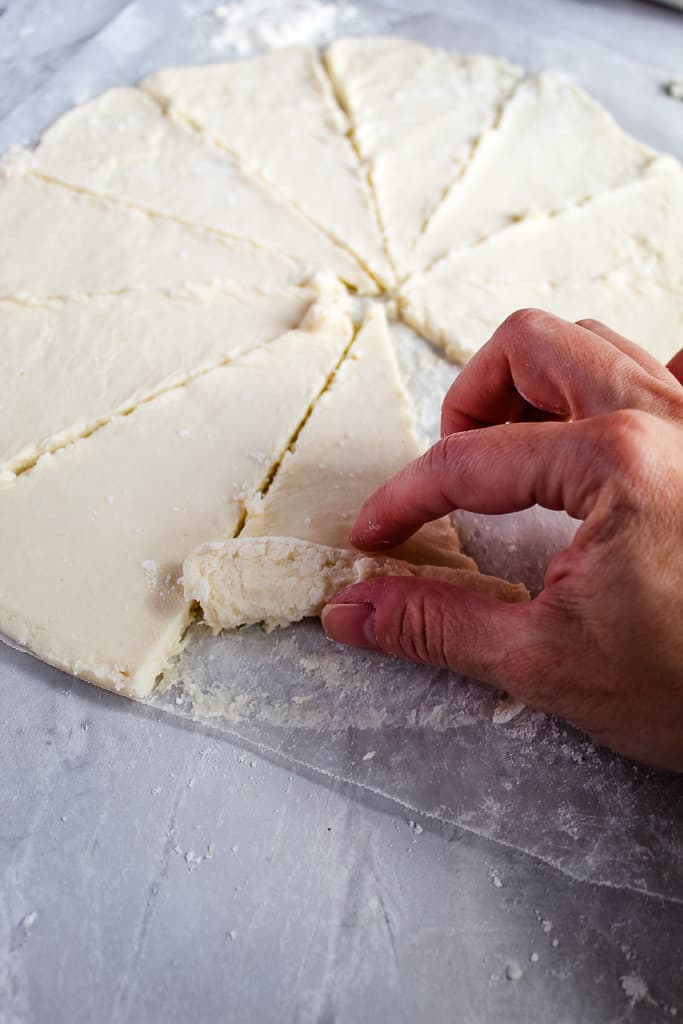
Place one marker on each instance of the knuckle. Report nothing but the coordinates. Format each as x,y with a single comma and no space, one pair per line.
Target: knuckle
629,441
413,623
420,631
441,456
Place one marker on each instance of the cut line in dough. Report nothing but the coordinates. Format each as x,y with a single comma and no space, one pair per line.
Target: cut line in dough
66,242
92,538
617,258
278,115
585,154
361,432
122,146
417,113
104,355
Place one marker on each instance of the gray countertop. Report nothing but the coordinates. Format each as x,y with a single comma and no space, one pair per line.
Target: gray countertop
330,867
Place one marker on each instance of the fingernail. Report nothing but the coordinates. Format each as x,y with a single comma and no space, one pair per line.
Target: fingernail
352,624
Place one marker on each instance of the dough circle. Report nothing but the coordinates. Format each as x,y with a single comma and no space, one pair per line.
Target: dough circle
196,305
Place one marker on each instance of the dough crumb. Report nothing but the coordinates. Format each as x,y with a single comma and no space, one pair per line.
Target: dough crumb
513,972
505,710
675,87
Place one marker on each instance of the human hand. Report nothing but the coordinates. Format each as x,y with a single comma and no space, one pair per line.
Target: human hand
567,416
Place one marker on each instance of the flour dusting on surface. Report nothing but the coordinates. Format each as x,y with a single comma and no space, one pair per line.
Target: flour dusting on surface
250,26
634,987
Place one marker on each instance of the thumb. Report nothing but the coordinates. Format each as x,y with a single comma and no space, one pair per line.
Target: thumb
439,624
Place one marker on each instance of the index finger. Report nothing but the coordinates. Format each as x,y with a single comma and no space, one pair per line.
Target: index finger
562,369
495,470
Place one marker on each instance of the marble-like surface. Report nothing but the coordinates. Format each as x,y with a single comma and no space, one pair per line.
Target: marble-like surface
154,871
311,905
38,36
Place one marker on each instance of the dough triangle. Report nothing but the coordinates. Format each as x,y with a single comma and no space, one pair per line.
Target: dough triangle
121,145
91,358
416,113
618,258
65,242
360,433
553,147
278,115
92,538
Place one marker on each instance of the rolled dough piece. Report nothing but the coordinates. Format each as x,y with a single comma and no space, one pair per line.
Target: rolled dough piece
92,539
618,258
279,580
417,113
553,147
91,358
121,145
360,433
65,242
277,113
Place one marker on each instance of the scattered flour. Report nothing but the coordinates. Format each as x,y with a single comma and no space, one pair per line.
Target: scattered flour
635,989
193,859
248,26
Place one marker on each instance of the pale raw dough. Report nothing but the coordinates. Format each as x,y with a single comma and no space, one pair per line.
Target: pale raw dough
279,580
122,146
417,113
618,258
155,247
92,539
65,242
91,358
360,433
278,115
554,147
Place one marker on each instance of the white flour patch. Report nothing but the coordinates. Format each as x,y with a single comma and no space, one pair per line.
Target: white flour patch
249,26
634,987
